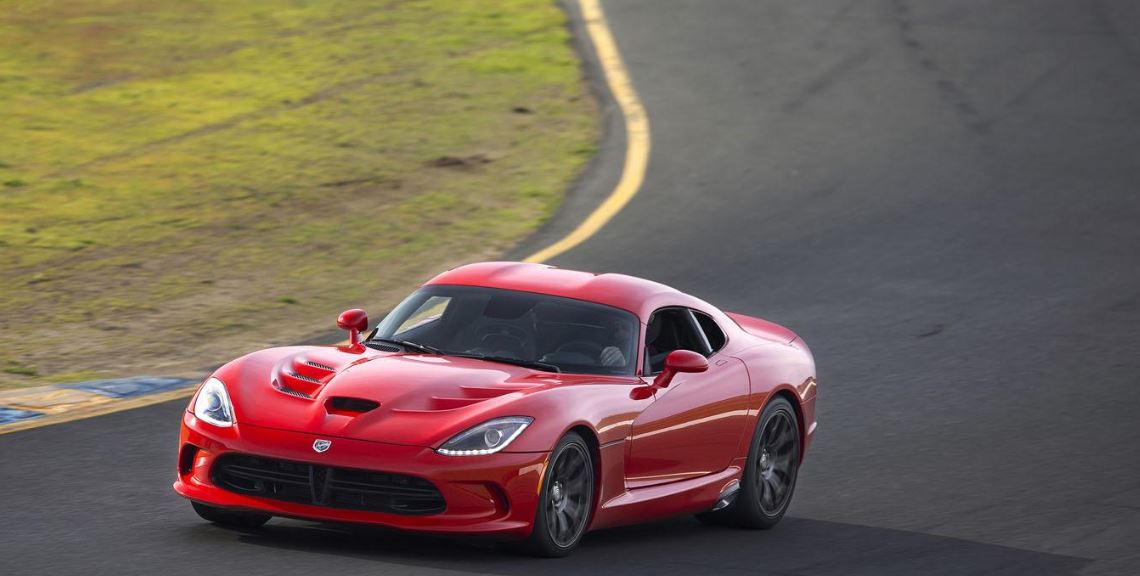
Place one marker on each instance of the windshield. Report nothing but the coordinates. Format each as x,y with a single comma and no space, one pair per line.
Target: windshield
571,335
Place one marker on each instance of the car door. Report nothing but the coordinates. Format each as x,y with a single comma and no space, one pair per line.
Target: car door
694,426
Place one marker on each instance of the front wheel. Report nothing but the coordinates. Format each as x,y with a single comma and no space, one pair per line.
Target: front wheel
565,501
230,518
770,473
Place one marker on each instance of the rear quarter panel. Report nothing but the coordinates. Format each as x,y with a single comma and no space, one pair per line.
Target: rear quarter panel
778,361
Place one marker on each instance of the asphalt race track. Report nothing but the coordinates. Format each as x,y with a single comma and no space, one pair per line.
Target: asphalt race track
941,197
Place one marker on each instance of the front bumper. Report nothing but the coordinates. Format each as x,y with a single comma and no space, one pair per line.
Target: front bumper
492,494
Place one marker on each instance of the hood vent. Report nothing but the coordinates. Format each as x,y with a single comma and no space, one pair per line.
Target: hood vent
348,405
282,388
305,378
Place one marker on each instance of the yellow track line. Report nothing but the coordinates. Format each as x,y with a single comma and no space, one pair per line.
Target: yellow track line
633,174
636,131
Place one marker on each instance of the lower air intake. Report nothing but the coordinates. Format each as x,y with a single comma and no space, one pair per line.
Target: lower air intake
326,485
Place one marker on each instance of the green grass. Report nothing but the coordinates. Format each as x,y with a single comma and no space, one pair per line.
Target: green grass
188,180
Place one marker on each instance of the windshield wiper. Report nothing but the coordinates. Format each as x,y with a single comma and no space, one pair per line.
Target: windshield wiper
507,360
407,345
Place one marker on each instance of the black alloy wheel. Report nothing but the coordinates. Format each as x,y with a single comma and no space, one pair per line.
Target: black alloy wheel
769,477
566,500
776,463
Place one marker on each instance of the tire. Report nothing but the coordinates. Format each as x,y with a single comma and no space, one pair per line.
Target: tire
230,518
770,473
565,502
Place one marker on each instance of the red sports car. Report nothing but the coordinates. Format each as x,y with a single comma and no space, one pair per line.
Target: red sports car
513,399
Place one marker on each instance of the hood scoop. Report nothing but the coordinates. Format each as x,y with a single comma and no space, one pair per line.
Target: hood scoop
349,406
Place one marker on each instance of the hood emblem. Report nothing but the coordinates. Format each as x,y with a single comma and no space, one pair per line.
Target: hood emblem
321,445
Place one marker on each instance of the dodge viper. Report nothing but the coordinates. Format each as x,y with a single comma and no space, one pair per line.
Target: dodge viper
519,400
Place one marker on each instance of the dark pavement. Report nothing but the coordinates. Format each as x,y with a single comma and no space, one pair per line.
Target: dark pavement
941,197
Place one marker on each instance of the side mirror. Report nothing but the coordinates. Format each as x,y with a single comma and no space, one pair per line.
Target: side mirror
680,361
355,321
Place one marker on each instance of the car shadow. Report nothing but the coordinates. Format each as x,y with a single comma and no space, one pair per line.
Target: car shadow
683,545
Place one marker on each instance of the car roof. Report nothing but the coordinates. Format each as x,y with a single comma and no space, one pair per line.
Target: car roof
636,295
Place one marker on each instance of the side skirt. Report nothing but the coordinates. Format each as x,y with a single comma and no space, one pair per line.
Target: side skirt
672,499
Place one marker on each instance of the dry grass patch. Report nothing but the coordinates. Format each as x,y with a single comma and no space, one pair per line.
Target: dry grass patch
182,181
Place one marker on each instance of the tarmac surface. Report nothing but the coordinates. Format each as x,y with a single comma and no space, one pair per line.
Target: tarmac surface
941,197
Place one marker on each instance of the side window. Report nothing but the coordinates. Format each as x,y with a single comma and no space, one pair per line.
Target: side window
670,329
713,333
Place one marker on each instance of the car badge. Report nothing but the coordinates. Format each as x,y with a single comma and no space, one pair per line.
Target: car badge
322,445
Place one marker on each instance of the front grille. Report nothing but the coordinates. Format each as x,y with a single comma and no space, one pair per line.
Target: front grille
326,486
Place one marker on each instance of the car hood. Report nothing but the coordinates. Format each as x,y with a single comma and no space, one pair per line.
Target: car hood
397,398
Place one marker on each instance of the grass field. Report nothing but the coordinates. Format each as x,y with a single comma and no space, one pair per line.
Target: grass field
184,181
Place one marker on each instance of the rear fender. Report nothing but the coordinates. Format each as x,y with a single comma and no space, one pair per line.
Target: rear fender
762,328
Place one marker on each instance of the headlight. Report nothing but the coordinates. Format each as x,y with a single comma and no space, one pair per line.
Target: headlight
486,438
213,404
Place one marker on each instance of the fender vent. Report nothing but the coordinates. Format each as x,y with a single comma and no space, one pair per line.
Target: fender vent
324,367
345,404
